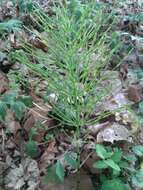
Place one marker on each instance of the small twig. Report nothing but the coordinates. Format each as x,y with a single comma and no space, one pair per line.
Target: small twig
83,162
3,140
32,110
40,107
85,159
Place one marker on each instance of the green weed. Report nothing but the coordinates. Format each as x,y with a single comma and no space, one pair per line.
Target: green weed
79,51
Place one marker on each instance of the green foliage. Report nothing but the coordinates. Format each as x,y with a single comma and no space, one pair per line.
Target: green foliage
26,100
137,179
31,148
78,53
51,175
102,152
138,150
56,172
10,25
113,184
17,81
60,171
3,110
49,137
23,5
141,106
119,165
110,159
2,56
13,102
112,164
71,160
18,108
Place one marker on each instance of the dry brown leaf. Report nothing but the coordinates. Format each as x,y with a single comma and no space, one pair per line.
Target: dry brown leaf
36,42
3,83
28,121
135,93
48,156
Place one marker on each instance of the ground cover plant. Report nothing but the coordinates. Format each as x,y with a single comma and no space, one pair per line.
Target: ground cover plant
75,64
79,52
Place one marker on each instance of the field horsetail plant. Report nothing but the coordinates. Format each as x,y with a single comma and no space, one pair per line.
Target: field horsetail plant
78,52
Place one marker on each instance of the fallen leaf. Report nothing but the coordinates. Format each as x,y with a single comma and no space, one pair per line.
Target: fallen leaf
135,93
94,129
28,121
115,132
48,156
3,83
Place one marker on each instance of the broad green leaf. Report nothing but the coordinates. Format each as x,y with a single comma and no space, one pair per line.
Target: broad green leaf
18,108
27,100
138,150
3,110
9,97
112,164
71,160
131,158
137,179
32,132
60,171
102,152
117,155
114,184
31,148
123,164
128,187
51,175
30,6
115,173
100,164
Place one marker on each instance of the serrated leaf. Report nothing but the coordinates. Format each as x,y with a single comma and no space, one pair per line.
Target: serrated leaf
113,184
30,6
32,132
18,108
31,148
117,155
60,171
123,164
10,97
70,160
102,152
51,175
131,158
137,179
115,173
3,110
112,164
27,100
100,164
138,150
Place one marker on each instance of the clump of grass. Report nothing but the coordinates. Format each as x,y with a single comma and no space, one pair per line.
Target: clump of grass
78,53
